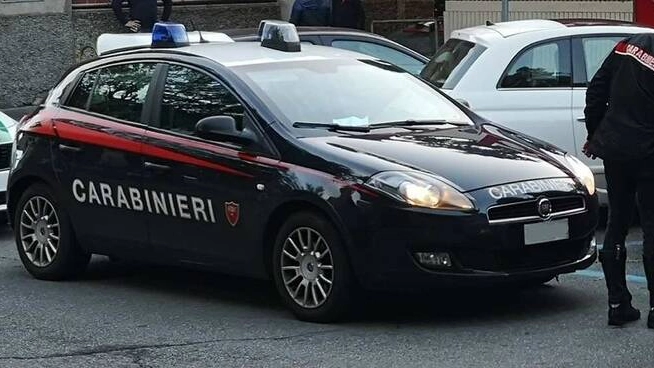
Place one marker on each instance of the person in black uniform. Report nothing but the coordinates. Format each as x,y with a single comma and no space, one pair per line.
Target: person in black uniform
142,14
311,13
620,121
335,13
348,14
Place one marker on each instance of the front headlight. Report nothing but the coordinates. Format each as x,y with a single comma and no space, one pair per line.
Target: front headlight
582,172
418,189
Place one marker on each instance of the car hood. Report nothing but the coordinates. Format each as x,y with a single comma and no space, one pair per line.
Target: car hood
470,158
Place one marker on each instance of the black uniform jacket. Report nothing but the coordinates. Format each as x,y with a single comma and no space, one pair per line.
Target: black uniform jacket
144,11
620,102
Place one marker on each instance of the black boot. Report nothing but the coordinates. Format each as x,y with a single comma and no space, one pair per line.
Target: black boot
624,313
614,266
650,318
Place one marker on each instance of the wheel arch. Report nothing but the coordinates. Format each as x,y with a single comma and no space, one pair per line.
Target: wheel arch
16,190
284,210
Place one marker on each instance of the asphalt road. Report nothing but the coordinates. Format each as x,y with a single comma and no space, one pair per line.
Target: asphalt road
122,315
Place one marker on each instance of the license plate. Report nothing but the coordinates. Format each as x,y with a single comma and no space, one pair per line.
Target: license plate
548,231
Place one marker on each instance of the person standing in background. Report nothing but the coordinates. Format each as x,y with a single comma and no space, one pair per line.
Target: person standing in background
348,14
311,13
142,14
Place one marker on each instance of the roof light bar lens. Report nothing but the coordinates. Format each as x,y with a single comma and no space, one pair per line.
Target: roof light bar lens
169,35
279,35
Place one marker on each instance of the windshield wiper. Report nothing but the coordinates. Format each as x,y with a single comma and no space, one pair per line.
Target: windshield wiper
332,127
407,123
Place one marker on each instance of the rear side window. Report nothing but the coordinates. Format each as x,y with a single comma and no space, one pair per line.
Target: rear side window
80,96
190,95
120,91
545,65
451,62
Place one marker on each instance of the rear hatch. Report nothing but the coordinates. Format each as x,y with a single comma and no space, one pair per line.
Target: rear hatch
451,62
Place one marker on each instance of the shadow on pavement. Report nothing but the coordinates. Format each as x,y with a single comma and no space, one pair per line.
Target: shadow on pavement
443,307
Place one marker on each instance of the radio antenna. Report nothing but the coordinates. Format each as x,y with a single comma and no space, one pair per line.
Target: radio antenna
202,40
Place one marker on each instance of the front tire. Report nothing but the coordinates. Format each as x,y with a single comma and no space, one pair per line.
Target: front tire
311,270
44,236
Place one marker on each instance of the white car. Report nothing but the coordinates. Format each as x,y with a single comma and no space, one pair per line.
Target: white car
7,132
530,75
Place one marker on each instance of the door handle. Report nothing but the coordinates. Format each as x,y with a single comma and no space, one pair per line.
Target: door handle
581,119
64,147
152,165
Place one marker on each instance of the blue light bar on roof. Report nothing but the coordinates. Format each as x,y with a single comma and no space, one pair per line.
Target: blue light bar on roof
169,35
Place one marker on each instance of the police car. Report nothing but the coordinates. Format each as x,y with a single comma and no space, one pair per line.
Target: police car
325,170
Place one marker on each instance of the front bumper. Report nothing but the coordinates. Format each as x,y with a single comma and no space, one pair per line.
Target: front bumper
384,247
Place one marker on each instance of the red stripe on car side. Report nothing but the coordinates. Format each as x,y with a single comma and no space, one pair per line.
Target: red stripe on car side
161,153
70,131
105,137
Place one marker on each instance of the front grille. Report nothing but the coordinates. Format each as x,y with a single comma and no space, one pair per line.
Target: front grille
5,156
528,258
528,210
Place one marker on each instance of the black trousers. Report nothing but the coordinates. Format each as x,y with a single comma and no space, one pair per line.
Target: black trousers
630,186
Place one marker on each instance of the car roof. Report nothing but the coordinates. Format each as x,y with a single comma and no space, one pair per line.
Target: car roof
492,32
233,54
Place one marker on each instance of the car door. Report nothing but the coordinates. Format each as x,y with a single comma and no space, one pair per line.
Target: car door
98,157
534,94
405,59
206,195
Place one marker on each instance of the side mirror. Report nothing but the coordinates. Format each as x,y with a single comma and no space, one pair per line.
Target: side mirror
223,128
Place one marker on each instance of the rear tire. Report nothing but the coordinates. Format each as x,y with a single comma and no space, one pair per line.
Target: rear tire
44,236
311,270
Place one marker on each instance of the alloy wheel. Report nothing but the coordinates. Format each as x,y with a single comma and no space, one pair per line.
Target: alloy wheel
39,231
307,267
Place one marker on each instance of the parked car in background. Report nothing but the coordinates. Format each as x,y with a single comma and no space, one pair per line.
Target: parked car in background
530,75
420,36
7,132
349,39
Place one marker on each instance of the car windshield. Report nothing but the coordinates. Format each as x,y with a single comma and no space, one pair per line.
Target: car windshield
451,62
347,92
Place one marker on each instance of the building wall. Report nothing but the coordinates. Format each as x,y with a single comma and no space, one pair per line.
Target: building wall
16,7
467,13
36,49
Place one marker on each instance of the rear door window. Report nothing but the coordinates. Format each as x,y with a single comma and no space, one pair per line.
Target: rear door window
451,62
120,91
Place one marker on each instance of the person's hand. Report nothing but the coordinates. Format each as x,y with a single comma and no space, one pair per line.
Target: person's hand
586,150
133,25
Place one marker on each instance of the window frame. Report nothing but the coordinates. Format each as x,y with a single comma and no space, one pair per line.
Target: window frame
147,103
153,124
519,54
